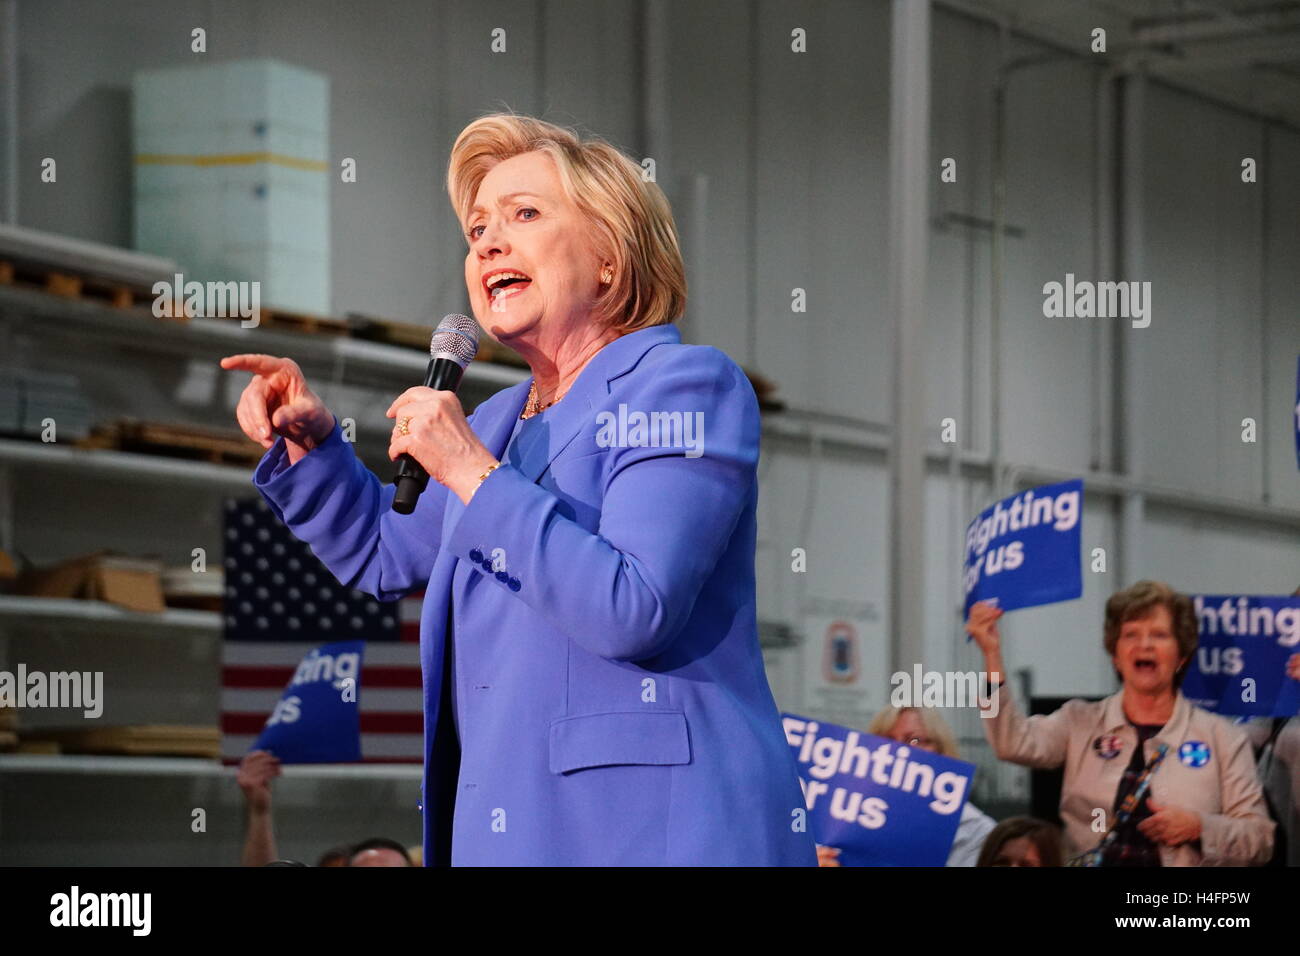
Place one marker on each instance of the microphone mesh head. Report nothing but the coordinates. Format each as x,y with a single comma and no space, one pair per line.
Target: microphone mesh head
456,338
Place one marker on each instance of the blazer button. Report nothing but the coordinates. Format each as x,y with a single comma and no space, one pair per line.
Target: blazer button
513,584
476,556
503,577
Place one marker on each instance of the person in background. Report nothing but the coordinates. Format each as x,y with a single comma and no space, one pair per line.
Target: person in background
256,771
335,856
925,728
1276,741
1022,841
379,851
1204,805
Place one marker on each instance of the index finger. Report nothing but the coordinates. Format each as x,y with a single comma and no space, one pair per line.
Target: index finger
408,396
254,362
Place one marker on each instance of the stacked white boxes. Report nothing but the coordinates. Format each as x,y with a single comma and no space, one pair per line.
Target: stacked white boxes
232,174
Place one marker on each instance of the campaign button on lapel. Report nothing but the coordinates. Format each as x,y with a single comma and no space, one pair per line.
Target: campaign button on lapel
1194,753
1108,746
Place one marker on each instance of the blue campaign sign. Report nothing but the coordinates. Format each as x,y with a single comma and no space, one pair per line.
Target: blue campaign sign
1240,665
1024,551
318,719
879,802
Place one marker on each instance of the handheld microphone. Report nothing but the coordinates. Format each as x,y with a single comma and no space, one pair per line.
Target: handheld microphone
452,348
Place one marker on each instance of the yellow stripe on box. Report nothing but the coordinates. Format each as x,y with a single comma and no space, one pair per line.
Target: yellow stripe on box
229,159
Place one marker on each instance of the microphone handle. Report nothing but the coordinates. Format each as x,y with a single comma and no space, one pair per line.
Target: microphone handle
442,375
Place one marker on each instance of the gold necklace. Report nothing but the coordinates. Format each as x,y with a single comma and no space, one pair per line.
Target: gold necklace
531,407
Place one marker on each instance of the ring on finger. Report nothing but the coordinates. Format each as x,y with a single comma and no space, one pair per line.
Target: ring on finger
404,425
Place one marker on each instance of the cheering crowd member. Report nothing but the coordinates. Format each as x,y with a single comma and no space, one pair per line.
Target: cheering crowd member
256,771
1022,841
1190,773
379,851
594,689
925,728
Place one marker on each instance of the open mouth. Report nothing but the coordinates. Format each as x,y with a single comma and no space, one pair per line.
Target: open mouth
504,283
1144,666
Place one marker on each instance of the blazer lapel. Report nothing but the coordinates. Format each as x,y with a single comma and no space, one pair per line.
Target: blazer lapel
494,432
1176,728
541,440
1112,717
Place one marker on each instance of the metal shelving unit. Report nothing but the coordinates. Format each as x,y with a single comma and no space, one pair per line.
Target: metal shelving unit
357,360
152,469
84,325
78,614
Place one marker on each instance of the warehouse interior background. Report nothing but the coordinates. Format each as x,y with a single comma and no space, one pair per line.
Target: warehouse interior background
816,171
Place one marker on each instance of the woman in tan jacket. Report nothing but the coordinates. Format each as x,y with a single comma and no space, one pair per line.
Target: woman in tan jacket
1202,806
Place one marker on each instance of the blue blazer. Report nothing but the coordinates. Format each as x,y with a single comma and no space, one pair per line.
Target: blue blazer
605,679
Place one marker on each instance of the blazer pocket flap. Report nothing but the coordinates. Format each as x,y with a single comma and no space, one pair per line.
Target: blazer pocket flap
607,740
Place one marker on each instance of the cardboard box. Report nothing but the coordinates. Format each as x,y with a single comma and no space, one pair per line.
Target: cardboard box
160,740
233,175
131,583
44,747
8,573
196,590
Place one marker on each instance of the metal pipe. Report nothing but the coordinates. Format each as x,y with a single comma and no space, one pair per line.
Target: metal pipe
998,186
1265,419
655,118
1128,60
909,177
1131,561
996,256
9,110
1103,333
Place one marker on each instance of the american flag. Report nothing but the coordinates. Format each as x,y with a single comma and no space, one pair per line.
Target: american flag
280,602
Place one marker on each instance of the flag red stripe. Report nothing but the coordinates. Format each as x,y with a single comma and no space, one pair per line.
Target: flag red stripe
279,677
409,723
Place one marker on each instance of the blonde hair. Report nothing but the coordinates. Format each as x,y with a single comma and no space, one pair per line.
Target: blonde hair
633,222
936,728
